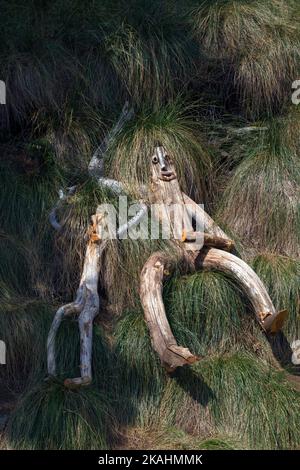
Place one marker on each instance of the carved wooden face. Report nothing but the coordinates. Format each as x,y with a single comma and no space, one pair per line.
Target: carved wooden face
162,166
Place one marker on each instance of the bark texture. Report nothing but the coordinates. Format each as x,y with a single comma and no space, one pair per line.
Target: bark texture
217,260
86,305
156,269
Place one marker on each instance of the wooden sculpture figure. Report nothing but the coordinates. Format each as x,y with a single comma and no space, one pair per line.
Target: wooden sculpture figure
212,254
215,255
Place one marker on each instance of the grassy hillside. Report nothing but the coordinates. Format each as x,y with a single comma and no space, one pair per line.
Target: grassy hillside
199,74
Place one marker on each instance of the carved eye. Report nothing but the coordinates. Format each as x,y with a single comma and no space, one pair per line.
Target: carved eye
155,159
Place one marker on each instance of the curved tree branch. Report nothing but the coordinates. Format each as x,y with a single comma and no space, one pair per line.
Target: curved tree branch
62,198
163,341
86,305
96,166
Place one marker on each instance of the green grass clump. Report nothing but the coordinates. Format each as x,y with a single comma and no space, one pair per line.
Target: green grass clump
262,201
24,325
234,393
253,47
95,55
211,306
30,179
140,375
281,275
176,439
174,126
52,417
219,443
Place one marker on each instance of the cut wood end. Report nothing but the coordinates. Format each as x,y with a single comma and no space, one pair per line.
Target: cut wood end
272,324
94,237
208,240
230,245
192,359
77,382
177,356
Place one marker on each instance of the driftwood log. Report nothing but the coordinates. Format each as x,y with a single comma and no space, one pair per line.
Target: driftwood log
166,193
86,303
156,269
200,243
86,306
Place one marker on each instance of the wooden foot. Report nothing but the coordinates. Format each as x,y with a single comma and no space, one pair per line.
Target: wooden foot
272,324
77,382
177,356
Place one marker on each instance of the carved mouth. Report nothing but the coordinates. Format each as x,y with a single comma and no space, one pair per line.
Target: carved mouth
167,175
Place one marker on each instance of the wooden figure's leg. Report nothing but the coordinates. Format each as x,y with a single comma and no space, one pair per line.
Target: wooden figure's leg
86,319
86,306
171,355
269,319
213,259
64,311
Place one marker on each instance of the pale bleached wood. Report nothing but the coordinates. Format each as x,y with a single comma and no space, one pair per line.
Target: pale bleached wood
204,219
213,259
86,305
167,198
165,192
96,165
62,198
163,341
208,240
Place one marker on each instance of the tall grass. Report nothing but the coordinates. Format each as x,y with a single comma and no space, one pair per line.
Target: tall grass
254,46
47,415
281,275
175,126
261,201
96,54
237,393
69,66
30,179
51,417
232,390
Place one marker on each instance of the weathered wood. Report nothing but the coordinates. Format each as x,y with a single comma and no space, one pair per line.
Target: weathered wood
208,240
86,305
96,165
213,259
208,223
165,193
177,210
153,274
166,197
163,341
53,214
